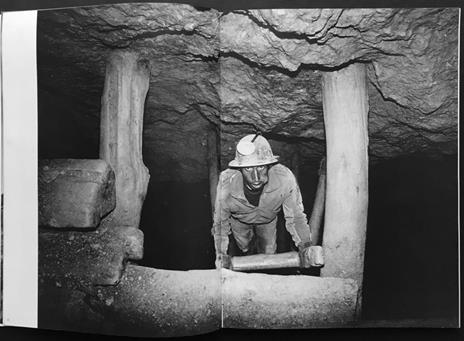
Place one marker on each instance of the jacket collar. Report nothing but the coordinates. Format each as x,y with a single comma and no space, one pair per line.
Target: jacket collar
236,189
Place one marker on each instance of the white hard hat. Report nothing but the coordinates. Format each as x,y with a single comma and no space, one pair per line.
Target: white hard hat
253,150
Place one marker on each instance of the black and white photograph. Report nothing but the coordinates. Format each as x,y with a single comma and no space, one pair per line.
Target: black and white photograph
271,168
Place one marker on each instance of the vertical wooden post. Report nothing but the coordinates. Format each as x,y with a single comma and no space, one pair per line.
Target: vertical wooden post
121,126
345,105
213,165
296,163
317,213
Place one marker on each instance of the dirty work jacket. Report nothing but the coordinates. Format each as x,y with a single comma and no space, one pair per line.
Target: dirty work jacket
281,191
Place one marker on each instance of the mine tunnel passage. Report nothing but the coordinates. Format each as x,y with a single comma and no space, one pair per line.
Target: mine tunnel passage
177,221
412,210
411,249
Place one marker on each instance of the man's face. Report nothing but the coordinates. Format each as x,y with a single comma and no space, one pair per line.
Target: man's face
255,177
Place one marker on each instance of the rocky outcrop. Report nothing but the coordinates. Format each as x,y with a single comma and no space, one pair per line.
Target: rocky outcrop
260,69
407,52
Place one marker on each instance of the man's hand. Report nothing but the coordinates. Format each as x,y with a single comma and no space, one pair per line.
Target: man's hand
311,256
222,261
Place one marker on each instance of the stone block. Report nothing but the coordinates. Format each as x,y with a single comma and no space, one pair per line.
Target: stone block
75,193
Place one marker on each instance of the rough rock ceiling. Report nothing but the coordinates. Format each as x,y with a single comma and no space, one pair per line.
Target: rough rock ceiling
258,69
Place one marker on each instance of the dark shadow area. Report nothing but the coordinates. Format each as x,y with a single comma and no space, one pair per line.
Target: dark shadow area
176,222
411,264
62,133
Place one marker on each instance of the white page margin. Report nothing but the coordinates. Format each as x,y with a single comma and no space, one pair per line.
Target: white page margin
19,84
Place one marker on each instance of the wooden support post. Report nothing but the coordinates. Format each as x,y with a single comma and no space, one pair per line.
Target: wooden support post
126,86
317,213
345,105
213,165
296,163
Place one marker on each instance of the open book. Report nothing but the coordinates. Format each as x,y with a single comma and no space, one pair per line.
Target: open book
125,168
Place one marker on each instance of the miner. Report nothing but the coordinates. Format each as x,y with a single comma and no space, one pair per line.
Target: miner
250,194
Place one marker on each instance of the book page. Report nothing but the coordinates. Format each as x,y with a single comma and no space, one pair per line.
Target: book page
349,95
119,234
310,153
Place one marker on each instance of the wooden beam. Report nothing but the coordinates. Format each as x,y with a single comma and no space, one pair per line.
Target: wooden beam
213,164
317,213
296,163
160,303
345,105
274,301
265,261
276,261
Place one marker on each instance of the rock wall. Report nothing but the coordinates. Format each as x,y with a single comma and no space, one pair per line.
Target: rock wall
259,69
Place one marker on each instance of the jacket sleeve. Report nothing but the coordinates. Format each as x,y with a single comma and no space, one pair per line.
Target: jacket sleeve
221,224
296,222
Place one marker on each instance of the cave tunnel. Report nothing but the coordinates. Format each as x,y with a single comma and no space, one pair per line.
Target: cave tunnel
270,80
